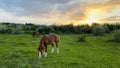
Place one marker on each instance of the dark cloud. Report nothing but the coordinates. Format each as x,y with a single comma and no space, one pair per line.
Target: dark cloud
25,7
30,7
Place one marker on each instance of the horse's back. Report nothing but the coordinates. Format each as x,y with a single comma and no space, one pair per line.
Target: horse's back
54,37
50,38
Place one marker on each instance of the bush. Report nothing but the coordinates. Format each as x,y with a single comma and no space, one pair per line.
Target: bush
45,29
116,36
82,38
17,30
9,30
107,30
98,31
86,29
3,29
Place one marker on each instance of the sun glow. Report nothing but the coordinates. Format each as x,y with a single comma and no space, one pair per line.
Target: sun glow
90,21
92,16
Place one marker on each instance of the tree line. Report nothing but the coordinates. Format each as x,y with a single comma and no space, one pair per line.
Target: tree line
95,28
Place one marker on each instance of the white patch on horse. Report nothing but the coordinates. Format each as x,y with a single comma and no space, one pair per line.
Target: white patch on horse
52,51
57,50
39,55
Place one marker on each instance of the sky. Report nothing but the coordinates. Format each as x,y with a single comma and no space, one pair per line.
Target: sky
58,12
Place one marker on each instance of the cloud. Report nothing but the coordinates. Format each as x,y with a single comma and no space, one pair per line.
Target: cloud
105,6
51,11
30,7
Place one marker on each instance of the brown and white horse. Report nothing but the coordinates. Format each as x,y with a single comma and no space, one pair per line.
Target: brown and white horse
45,41
35,34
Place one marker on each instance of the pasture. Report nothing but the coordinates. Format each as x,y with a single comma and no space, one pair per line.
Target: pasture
20,51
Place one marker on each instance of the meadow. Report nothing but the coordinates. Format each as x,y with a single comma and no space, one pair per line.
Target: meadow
20,51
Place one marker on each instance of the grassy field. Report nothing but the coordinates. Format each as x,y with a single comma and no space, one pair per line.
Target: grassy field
20,51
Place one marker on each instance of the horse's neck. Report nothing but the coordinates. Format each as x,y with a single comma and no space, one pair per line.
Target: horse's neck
41,46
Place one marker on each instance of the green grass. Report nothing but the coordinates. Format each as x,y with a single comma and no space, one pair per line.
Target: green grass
20,51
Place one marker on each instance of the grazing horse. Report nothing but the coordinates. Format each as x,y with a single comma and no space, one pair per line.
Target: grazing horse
45,41
35,34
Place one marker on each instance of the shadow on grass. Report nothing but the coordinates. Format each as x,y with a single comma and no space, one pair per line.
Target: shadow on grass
113,41
2,41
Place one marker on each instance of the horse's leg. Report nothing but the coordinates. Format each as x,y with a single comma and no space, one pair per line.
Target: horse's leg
45,50
39,53
52,51
57,47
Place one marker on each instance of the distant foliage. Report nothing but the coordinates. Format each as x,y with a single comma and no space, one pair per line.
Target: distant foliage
95,28
3,29
116,36
86,29
98,30
9,30
45,29
67,29
81,38
17,30
113,26
107,30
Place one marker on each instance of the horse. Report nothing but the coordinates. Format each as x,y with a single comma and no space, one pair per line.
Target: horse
35,34
45,41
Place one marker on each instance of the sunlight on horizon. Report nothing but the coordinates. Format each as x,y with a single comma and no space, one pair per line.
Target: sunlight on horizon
92,17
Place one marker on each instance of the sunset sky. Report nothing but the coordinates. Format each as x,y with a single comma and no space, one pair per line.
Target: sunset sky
57,11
